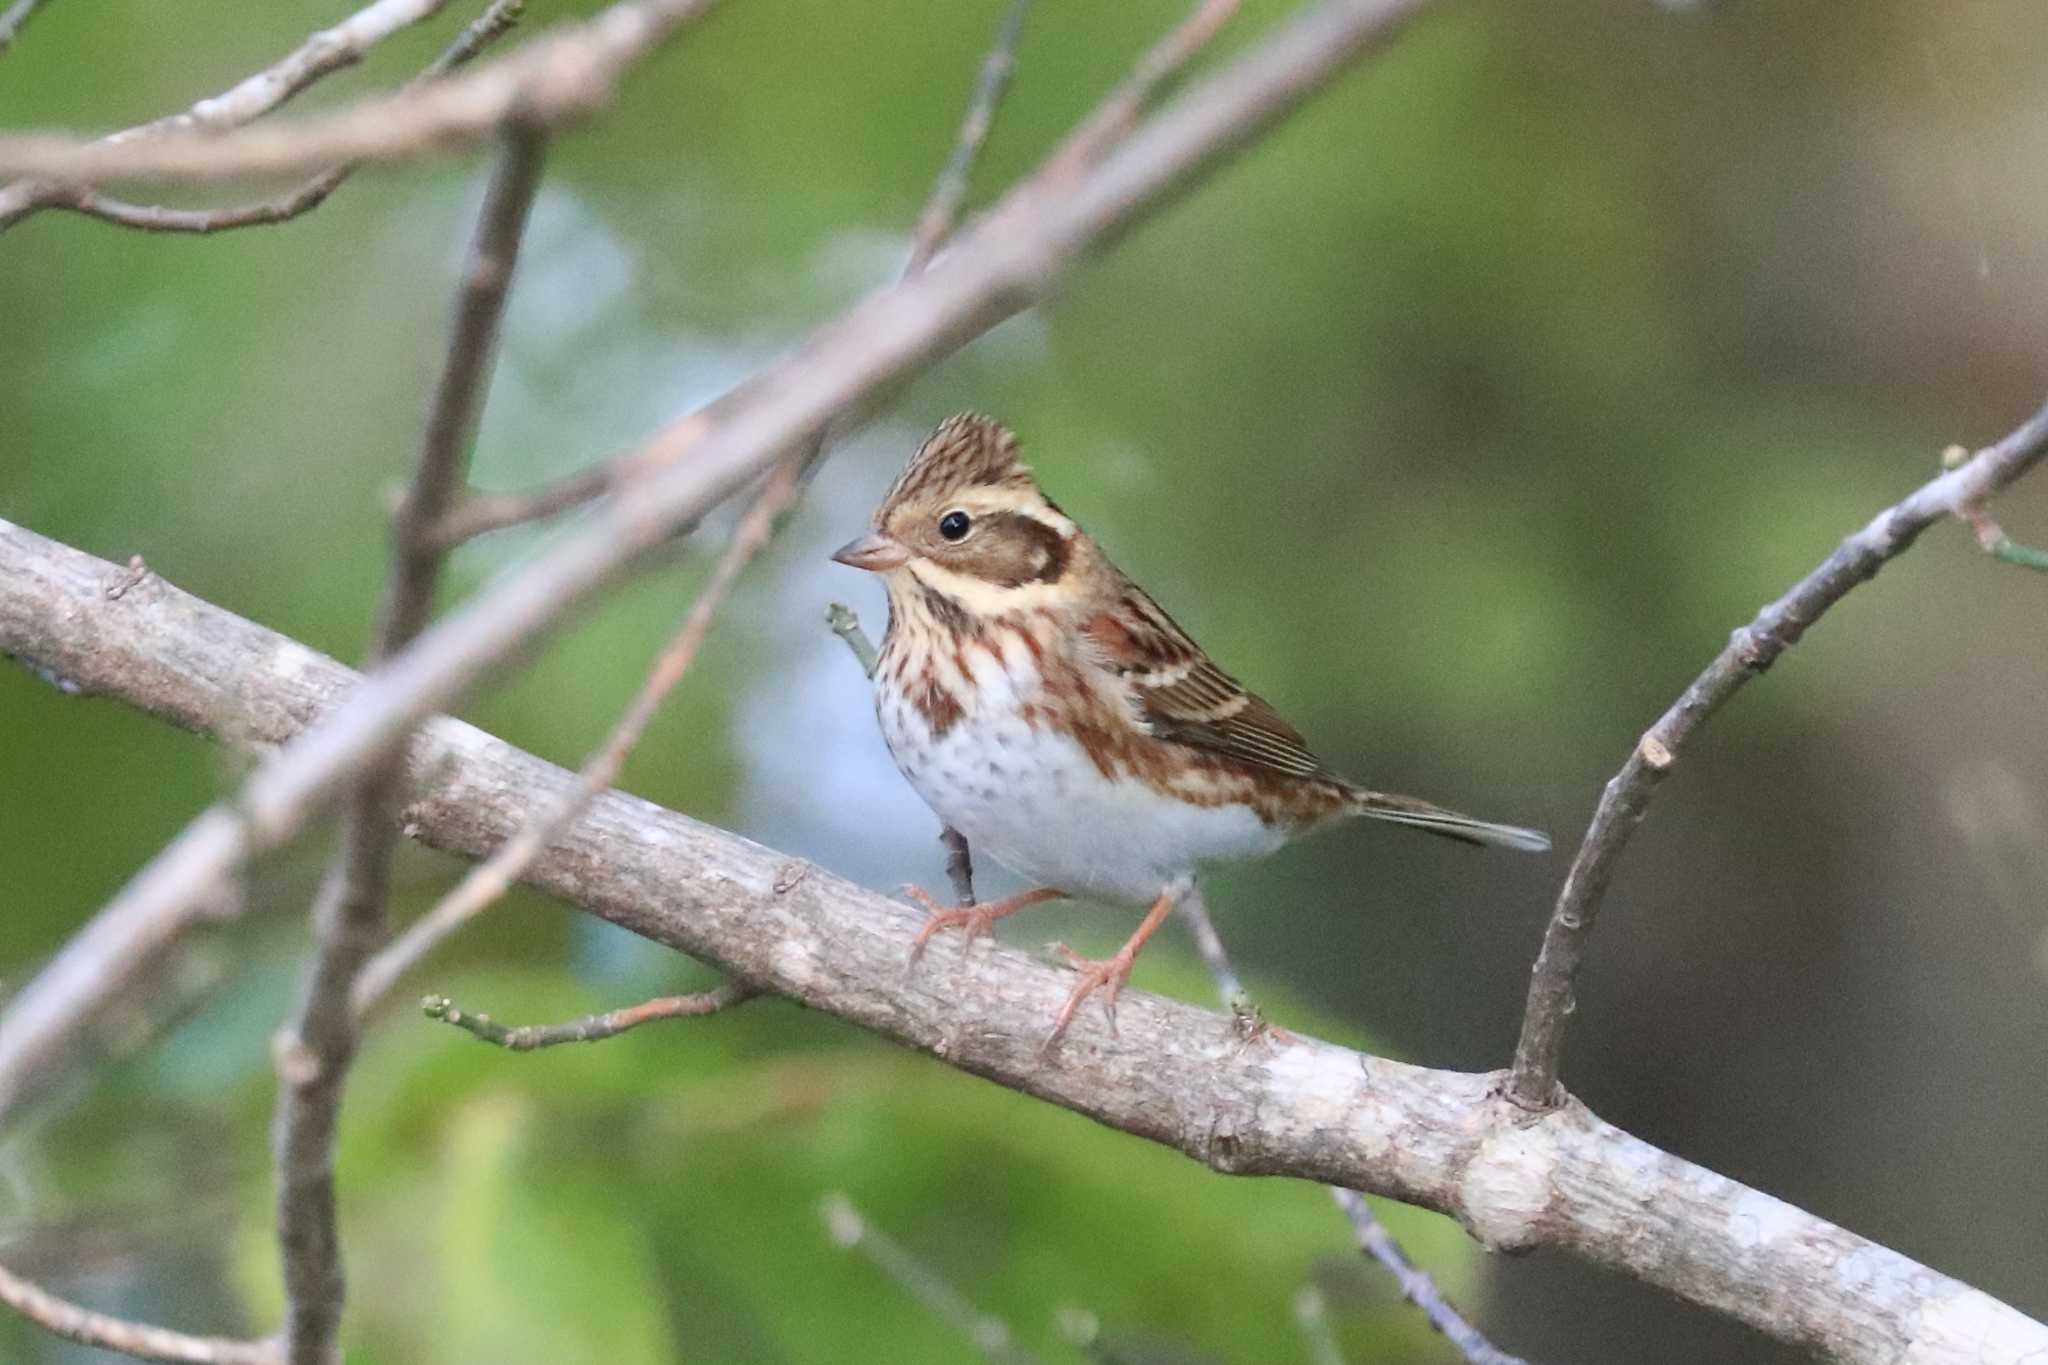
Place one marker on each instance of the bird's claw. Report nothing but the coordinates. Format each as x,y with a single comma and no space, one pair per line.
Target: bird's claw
975,919
1107,976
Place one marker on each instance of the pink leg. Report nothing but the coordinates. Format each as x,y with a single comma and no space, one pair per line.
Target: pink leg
977,919
1110,975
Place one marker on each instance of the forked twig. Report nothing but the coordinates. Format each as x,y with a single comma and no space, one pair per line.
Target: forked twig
1750,650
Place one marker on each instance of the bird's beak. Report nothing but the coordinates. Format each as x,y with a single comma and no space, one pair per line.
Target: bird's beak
874,552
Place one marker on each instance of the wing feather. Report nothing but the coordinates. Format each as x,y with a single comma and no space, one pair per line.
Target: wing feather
1185,697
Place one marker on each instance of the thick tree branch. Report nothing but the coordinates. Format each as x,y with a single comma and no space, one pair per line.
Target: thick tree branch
997,268
60,1317
314,1050
1177,1075
1750,650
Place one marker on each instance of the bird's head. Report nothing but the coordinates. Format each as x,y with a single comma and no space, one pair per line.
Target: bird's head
966,519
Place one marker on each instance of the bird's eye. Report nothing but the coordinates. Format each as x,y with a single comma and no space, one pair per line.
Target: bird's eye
954,525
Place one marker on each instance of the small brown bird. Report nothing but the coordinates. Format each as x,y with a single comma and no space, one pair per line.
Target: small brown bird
1047,708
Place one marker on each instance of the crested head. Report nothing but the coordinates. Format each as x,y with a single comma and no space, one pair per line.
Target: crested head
966,519
967,451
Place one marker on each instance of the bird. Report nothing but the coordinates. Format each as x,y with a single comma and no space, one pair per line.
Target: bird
1050,711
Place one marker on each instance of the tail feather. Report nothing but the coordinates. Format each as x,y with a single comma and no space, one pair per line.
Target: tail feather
1431,819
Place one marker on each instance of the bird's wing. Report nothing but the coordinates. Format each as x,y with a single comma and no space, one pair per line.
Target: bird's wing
1184,696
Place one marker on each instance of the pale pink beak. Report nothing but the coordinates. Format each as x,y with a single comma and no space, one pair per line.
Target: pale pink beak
874,552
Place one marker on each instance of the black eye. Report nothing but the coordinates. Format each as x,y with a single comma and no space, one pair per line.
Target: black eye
954,525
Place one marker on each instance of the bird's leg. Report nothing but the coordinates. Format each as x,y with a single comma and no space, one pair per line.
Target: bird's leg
977,919
1110,974
959,865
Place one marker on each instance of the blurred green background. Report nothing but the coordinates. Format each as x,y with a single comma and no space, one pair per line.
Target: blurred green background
1463,418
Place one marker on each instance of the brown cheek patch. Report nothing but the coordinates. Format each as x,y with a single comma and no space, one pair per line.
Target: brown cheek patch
1011,550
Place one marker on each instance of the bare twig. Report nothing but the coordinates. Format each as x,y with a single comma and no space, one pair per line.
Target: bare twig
141,1340
1312,1315
1373,1239
1991,537
1750,650
591,1028
1176,1075
321,55
935,222
992,1337
1416,1285
493,23
1114,118
492,878
12,19
315,1048
845,623
490,881
999,266
553,80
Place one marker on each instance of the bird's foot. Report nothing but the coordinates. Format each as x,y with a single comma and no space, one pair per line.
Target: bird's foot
1107,976
978,920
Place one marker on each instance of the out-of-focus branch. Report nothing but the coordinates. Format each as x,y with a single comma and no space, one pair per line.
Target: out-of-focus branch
949,192
492,878
493,23
1114,118
1750,650
992,1338
1176,1075
591,1028
321,55
141,1340
1373,1238
997,268
315,1048
12,19
553,80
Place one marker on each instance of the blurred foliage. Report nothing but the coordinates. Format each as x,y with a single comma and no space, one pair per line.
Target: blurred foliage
1463,417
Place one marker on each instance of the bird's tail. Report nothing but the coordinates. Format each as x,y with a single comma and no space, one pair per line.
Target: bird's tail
1406,810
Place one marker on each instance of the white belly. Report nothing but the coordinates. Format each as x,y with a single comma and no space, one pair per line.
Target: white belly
1031,798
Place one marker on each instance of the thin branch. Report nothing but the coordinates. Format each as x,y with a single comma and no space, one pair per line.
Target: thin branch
492,878
321,55
549,82
992,1337
935,222
591,1028
496,21
315,1048
1991,537
68,1320
1312,1315
12,19
1416,1285
1750,650
1083,148
1176,1075
1114,118
997,268
1373,1239
489,882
